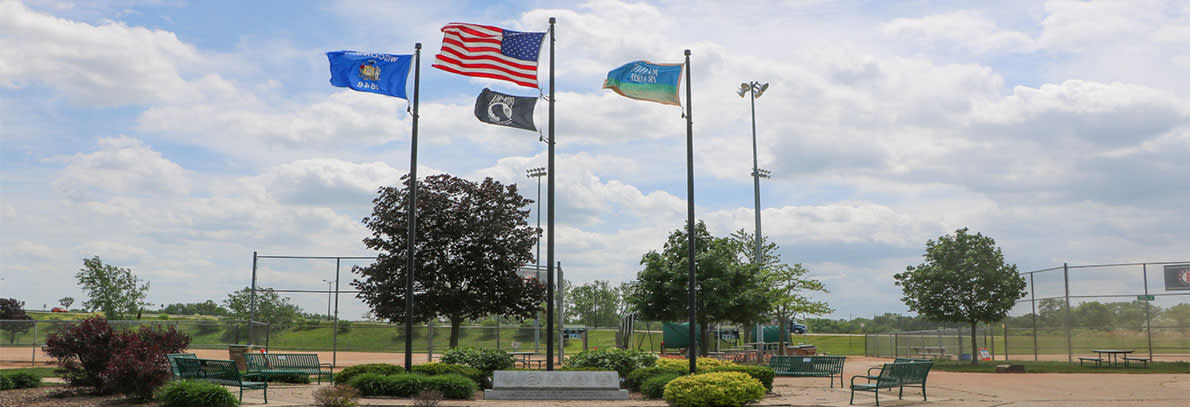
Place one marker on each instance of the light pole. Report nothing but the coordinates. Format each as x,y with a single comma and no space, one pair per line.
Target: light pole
537,173
755,89
328,298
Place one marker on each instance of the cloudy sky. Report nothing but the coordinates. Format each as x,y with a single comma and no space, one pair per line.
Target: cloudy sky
176,138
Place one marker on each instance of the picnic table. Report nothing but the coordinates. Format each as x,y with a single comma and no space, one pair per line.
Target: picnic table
929,352
1114,355
525,358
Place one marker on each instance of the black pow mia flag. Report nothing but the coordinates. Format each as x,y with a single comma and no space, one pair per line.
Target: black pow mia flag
505,110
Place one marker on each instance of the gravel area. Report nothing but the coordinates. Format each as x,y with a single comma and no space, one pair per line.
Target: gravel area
60,397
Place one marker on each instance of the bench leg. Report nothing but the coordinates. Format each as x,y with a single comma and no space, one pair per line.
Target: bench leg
877,397
852,401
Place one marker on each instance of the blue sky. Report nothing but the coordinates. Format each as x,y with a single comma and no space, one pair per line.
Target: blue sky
176,138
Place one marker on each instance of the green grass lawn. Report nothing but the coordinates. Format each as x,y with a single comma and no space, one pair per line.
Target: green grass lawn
42,372
1059,367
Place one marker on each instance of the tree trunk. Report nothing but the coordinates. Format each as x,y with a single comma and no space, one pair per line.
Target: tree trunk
782,334
974,346
455,324
703,341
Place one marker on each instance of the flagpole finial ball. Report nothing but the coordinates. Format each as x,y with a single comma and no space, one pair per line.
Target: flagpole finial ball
687,52
553,20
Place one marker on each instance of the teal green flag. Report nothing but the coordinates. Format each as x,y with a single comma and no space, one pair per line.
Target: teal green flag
643,80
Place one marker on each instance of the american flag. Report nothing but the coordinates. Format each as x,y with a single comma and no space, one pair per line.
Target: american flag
490,52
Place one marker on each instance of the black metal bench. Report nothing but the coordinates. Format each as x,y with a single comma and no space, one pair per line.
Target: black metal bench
221,372
894,376
1145,361
266,364
809,366
1098,361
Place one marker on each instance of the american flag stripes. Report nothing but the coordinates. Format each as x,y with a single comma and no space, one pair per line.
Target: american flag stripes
490,52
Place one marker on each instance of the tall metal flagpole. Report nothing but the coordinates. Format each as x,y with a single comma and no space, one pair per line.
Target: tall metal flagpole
412,214
690,212
549,240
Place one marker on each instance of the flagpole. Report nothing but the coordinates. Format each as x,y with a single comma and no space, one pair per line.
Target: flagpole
549,245
412,214
690,213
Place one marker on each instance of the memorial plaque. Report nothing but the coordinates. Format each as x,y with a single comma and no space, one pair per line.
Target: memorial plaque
554,385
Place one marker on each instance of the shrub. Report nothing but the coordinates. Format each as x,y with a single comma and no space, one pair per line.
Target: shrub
435,369
486,360
6,383
585,369
22,380
700,364
381,368
404,384
91,354
713,389
637,377
336,396
654,387
762,373
369,384
193,393
452,386
622,361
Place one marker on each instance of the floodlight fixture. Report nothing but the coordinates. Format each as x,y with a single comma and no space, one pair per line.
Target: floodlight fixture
761,90
762,173
535,172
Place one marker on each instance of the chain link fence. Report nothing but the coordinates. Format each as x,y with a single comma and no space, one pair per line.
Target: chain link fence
1069,311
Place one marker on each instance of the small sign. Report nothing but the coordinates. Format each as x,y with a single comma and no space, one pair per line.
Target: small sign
984,355
1146,298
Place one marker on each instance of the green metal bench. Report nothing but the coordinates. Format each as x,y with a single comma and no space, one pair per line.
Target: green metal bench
894,376
809,366
222,372
1145,361
173,366
897,360
1098,361
266,364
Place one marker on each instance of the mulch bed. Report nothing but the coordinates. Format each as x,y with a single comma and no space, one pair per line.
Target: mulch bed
60,397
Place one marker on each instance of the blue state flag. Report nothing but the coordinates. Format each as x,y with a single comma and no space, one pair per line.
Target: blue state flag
377,73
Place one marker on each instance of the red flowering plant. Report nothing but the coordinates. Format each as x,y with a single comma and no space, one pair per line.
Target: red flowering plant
92,354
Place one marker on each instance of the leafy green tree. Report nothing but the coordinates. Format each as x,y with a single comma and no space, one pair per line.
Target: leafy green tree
595,304
1179,315
785,285
963,279
726,290
13,312
1095,315
271,308
115,291
1131,315
66,302
207,307
471,239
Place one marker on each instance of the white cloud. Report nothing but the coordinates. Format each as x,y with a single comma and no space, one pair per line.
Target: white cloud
121,166
962,29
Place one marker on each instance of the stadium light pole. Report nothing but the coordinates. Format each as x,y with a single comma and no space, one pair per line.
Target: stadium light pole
537,173
755,89
328,298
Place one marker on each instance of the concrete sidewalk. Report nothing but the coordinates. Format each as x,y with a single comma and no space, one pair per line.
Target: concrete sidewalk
945,389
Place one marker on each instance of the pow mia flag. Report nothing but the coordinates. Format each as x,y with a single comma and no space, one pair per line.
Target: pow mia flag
505,110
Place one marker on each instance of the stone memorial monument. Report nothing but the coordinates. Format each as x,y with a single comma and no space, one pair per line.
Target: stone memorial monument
555,385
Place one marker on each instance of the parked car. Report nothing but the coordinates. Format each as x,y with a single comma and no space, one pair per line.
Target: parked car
57,309
798,328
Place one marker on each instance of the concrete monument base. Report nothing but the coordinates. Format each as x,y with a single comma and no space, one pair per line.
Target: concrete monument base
553,385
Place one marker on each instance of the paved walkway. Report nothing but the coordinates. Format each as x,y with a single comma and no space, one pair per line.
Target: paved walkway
945,389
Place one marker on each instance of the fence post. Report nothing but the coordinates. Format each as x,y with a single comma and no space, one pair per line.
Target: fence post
268,334
1005,328
237,335
35,344
1148,320
1033,301
896,345
1069,321
430,340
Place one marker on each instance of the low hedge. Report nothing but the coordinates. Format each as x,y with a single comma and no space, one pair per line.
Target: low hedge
486,360
5,383
762,373
719,389
379,368
700,364
452,386
435,369
622,361
654,387
637,377
194,393
23,380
